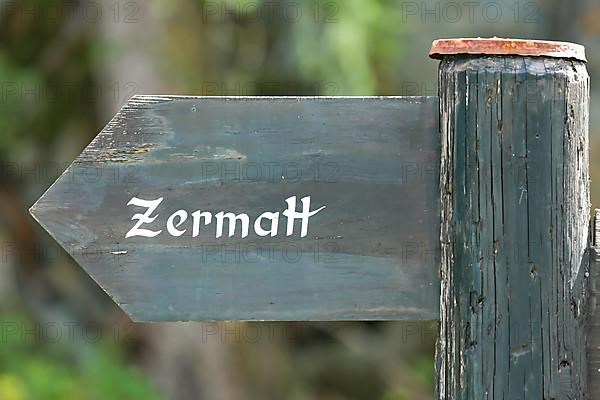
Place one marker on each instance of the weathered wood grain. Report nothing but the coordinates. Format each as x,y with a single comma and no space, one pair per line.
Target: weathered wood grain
371,254
593,345
515,215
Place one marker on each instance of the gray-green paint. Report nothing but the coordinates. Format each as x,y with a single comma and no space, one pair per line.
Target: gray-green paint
515,215
372,254
593,331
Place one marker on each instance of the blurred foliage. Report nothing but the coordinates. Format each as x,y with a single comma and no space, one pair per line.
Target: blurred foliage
338,47
33,369
43,68
357,47
333,48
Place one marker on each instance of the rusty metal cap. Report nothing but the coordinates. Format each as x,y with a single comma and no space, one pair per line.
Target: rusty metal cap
514,47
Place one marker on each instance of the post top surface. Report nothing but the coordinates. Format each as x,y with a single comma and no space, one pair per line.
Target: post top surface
499,46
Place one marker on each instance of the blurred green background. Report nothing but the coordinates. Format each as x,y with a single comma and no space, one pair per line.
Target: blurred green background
67,66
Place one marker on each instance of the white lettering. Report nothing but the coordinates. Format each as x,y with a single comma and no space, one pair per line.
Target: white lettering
145,218
197,215
175,222
292,214
232,222
274,217
172,228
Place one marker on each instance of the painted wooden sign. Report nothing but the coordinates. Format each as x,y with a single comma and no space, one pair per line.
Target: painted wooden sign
189,208
195,208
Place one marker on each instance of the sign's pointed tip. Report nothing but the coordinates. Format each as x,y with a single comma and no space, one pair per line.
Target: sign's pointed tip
34,212
33,209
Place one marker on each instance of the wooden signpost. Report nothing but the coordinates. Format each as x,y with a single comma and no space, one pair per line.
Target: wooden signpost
512,318
471,208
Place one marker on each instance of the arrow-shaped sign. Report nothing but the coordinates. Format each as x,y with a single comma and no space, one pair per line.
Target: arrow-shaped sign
195,208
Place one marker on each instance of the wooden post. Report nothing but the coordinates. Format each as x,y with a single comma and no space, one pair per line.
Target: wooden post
593,329
515,219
